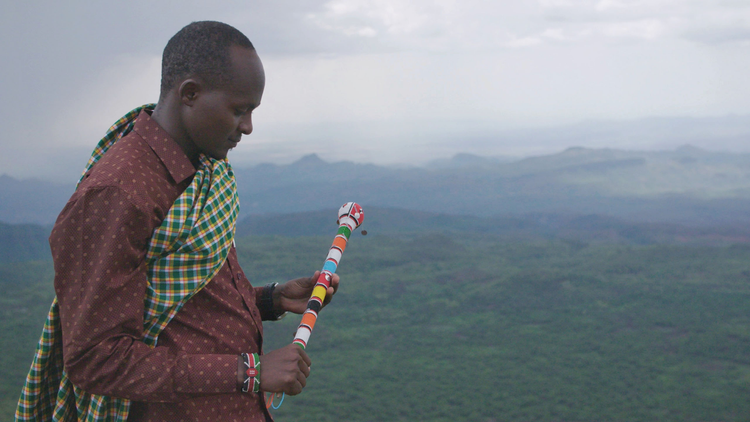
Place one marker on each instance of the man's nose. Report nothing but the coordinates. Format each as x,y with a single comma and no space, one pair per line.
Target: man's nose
246,124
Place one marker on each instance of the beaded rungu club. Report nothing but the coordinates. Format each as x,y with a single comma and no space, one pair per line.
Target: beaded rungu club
351,216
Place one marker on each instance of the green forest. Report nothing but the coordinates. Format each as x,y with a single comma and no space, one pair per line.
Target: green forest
446,327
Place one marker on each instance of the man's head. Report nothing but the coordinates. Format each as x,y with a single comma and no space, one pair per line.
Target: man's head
212,79
202,49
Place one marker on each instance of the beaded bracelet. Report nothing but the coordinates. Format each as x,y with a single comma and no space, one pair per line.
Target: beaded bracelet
265,307
252,372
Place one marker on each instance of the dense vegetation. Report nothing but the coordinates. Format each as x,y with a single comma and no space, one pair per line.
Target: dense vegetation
481,328
438,329
27,295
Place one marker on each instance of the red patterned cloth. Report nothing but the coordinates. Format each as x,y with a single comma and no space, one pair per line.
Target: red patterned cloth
98,245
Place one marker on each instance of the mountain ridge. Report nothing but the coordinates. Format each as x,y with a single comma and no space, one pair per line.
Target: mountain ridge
685,185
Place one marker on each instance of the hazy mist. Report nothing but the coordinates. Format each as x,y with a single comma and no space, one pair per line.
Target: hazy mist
392,83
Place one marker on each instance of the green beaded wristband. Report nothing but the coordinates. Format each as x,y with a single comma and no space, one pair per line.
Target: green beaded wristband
252,372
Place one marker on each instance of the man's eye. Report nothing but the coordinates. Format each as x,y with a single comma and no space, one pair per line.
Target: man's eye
240,111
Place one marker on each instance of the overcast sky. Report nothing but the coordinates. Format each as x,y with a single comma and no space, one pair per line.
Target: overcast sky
389,82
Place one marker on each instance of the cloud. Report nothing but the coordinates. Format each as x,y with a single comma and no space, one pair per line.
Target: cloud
378,80
127,82
399,25
645,28
720,34
705,21
475,25
389,16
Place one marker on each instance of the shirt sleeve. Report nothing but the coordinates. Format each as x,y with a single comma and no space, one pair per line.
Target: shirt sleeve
99,244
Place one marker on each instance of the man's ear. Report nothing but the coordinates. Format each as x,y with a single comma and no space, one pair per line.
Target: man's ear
189,91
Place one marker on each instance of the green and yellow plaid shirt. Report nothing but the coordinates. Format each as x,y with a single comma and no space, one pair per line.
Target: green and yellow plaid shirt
184,254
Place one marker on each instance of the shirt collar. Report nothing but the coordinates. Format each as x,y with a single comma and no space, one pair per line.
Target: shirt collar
174,159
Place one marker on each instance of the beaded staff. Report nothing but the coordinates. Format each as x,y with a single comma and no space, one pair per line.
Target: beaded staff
351,216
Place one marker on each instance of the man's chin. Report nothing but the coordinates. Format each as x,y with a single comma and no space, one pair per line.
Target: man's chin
218,155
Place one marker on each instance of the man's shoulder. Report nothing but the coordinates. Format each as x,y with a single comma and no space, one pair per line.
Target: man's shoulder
131,166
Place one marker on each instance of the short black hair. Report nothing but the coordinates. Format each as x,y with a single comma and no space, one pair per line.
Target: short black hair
202,49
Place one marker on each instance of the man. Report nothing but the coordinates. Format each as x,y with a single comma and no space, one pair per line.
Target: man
155,318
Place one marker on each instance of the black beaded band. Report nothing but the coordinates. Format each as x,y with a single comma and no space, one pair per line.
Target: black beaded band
267,312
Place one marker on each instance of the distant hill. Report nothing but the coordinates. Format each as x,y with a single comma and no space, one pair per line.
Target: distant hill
32,201
23,242
468,160
685,186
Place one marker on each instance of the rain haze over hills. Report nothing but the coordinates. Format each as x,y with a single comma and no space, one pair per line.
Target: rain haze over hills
393,83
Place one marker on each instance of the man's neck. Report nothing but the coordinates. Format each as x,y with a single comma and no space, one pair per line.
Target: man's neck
167,116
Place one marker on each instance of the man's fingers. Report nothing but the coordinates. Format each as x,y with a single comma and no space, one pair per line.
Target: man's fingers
304,368
298,388
331,290
335,281
314,278
305,357
302,380
294,388
286,370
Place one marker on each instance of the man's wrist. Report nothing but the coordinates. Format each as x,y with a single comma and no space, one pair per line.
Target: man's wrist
278,308
270,303
240,372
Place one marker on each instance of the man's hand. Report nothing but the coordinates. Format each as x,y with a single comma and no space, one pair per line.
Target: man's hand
284,370
293,295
